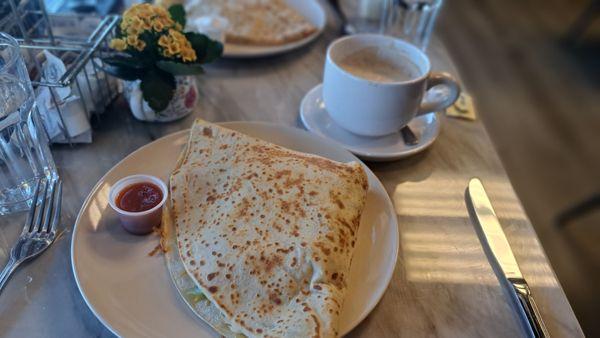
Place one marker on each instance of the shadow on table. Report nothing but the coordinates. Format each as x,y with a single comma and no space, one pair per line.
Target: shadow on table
586,56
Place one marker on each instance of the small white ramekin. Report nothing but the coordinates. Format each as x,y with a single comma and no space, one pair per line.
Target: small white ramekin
138,223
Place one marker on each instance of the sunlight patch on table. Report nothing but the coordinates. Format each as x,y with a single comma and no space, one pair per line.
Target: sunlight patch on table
439,243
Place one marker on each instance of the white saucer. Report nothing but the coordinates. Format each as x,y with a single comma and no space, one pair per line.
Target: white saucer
387,148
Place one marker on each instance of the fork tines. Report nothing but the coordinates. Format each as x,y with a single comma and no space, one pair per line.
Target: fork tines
45,206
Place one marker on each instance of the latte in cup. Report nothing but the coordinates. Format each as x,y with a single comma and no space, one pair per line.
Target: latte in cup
379,65
373,85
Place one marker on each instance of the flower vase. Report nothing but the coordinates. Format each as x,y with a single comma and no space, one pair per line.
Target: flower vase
182,104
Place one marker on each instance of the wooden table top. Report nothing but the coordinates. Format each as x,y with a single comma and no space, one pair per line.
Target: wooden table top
443,284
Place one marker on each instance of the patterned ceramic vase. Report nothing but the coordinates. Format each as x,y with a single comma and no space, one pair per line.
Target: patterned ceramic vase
181,105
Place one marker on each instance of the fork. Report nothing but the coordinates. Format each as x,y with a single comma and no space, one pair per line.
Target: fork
40,228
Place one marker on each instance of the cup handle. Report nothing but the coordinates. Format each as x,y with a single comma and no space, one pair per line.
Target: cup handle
444,79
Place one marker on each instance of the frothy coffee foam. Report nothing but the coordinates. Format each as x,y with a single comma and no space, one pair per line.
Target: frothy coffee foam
379,65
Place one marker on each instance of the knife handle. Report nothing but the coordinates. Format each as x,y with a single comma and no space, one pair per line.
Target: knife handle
530,308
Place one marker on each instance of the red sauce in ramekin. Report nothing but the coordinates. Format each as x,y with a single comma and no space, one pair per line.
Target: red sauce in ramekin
139,197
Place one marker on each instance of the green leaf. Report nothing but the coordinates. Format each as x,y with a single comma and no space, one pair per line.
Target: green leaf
124,73
213,51
207,50
199,43
177,13
158,88
123,67
118,31
194,295
123,61
178,68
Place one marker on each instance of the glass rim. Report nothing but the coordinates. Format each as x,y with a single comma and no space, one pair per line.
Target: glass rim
8,40
435,4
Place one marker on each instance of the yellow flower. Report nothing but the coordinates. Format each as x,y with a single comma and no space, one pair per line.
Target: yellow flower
167,53
174,48
132,40
140,45
139,8
118,44
133,31
145,17
147,25
138,15
177,36
188,55
144,14
131,11
167,22
136,22
131,26
158,26
164,41
160,11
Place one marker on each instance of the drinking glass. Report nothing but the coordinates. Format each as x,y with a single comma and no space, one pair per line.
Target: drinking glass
24,153
364,16
411,20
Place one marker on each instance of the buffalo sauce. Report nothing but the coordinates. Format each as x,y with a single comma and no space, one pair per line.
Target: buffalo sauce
139,197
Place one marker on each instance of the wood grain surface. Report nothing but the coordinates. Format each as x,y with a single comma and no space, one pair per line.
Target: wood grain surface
443,284
538,96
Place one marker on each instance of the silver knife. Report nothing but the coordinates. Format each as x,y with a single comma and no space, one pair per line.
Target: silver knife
495,242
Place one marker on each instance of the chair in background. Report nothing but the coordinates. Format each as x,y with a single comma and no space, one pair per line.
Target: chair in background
584,21
578,210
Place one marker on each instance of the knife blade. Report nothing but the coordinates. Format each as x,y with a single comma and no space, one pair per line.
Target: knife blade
501,256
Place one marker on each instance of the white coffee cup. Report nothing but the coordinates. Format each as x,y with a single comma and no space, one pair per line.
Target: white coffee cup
374,107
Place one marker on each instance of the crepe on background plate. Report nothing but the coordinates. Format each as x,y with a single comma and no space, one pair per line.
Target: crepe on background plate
255,22
265,233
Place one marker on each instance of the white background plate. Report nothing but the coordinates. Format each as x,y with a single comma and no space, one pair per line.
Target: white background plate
310,9
132,293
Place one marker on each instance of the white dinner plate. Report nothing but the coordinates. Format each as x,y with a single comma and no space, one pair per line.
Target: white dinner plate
131,292
310,9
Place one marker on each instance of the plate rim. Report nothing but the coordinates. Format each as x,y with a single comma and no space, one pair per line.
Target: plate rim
366,155
265,51
76,227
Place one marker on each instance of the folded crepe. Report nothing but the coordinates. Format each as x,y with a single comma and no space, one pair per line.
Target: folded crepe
266,233
255,22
